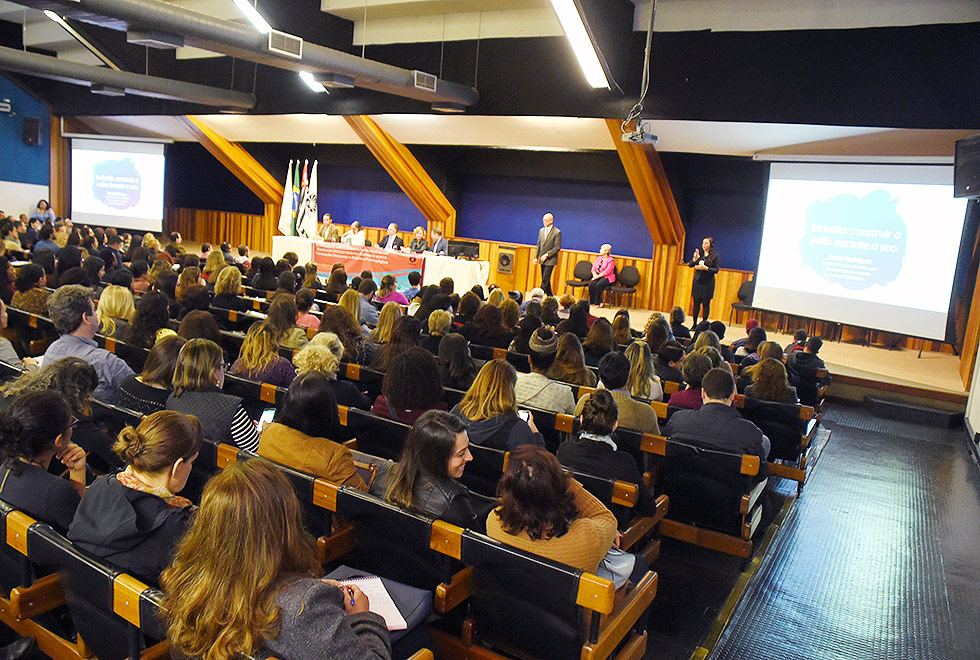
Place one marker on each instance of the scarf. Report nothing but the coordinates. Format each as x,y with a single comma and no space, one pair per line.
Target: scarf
129,479
598,438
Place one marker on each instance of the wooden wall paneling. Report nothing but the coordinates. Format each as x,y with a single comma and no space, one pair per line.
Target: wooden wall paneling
968,352
59,178
407,172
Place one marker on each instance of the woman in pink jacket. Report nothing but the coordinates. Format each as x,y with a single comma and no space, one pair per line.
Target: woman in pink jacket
603,274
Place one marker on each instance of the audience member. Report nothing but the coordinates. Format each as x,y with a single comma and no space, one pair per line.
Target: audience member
643,381
414,280
134,518
577,322
404,335
695,367
150,322
269,571
31,296
569,366
426,478
306,432
115,311
469,305
338,320
769,383
677,327
386,322
457,369
410,387
598,342
148,391
259,358
525,329
439,322
799,342
806,364
489,410
368,313
227,286
614,372
337,283
535,389
282,321
323,355
488,329
750,325
36,429
73,314
198,379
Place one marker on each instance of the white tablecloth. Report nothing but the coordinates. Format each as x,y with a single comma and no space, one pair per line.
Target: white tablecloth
303,247
465,273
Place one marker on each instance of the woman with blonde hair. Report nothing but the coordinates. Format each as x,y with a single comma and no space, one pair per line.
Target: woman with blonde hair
158,266
282,321
386,320
439,322
767,349
214,265
496,297
150,242
227,287
311,279
134,518
198,379
269,571
569,365
643,381
259,358
188,278
115,311
323,355
350,301
489,410
510,314
770,383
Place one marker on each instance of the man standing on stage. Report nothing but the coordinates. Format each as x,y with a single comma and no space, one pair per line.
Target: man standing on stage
549,245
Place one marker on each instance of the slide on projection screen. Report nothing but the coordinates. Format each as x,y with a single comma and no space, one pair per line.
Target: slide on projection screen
873,246
117,184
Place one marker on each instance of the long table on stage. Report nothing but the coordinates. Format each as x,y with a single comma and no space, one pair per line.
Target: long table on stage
465,274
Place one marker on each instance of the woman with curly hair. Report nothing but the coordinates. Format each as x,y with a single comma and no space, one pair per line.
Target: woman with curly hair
337,320
150,321
323,355
269,571
769,383
404,335
187,278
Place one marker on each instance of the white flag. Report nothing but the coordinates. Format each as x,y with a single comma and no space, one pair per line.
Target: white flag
306,226
286,212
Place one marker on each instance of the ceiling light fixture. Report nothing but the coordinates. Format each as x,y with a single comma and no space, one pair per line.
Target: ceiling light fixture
578,36
253,16
307,77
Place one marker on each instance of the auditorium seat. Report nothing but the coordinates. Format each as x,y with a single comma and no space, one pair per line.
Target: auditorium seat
625,285
134,356
376,435
582,274
33,333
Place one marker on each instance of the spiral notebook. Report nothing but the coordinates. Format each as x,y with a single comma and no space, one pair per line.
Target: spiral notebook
380,601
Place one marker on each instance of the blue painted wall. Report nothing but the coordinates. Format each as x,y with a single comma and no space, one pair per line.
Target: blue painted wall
19,162
733,219
367,195
508,209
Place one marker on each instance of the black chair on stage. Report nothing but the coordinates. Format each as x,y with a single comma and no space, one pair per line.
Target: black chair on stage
625,285
582,274
746,292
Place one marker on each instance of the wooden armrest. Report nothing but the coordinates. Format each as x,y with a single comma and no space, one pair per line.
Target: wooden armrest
810,431
648,479
638,528
351,444
749,500
157,651
422,654
43,596
623,620
458,590
335,546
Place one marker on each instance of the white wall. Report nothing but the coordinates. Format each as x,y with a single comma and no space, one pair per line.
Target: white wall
973,402
17,198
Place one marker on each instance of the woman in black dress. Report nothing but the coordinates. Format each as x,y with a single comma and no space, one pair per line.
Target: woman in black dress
705,264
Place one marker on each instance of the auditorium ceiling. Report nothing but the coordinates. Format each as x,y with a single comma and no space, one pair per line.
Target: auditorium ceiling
737,77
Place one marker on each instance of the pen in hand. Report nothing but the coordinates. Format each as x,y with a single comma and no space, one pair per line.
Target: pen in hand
350,592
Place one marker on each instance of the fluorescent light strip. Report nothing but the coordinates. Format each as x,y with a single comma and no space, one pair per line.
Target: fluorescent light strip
253,16
80,39
307,77
578,37
845,158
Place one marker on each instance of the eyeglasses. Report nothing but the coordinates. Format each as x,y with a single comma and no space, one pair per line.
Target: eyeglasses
73,423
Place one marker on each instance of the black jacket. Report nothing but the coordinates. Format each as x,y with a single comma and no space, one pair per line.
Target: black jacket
806,366
717,426
136,531
504,432
445,499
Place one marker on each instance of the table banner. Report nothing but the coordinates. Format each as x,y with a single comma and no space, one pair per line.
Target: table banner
358,258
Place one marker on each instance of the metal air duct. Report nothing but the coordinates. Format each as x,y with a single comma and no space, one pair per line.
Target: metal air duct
245,42
43,66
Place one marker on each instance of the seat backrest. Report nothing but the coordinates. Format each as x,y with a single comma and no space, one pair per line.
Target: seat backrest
483,473
630,277
15,569
525,601
583,271
106,605
619,497
317,520
746,291
368,380
783,424
519,361
452,396
255,396
555,428
393,542
376,435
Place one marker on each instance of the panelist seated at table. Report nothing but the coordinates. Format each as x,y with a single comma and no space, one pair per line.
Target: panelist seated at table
440,245
355,235
391,240
418,243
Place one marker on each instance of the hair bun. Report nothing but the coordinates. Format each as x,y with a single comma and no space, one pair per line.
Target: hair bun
130,444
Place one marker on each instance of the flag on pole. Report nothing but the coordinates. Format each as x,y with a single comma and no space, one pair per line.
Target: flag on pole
296,198
308,210
286,211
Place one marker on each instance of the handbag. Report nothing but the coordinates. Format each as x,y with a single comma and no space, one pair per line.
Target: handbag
616,566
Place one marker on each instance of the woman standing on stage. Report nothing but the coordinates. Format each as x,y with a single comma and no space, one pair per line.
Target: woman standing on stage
705,263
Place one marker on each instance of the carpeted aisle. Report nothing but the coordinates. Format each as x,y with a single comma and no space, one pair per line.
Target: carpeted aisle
880,557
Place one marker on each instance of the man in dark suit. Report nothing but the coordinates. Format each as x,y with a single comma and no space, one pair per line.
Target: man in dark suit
549,245
717,425
391,241
439,244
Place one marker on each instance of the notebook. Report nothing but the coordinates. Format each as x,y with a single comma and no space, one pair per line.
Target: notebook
379,600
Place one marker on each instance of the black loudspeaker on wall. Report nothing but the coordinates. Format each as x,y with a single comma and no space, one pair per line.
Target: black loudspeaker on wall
31,133
505,261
